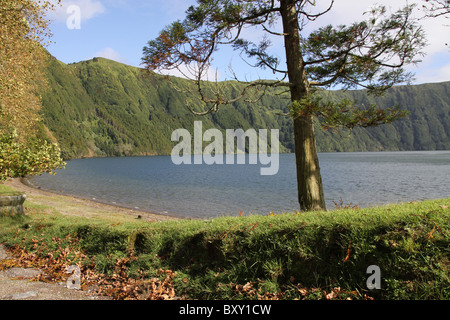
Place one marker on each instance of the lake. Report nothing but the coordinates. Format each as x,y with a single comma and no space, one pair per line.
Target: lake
155,184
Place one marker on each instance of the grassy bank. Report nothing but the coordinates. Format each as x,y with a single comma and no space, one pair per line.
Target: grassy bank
314,255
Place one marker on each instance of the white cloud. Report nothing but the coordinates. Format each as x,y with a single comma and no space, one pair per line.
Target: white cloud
437,34
87,8
111,54
343,12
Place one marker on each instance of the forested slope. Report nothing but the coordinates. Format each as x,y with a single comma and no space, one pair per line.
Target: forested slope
103,108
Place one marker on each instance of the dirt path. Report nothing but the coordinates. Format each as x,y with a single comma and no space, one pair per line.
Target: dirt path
16,284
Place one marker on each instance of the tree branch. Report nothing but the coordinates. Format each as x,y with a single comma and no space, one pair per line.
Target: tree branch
438,8
312,17
272,32
333,79
369,54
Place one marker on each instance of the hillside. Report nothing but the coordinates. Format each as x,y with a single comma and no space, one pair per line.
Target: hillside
104,108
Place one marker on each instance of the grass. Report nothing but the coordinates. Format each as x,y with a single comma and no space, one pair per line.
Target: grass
7,191
311,255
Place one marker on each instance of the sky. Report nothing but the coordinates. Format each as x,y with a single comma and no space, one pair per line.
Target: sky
119,29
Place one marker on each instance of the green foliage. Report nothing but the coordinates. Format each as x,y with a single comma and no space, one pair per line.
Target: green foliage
426,127
23,31
344,113
371,53
295,255
104,108
34,158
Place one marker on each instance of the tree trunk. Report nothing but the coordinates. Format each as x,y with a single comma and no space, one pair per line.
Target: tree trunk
309,180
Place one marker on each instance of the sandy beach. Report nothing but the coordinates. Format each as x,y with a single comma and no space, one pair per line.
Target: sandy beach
71,205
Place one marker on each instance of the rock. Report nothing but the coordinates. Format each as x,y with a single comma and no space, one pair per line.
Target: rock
12,204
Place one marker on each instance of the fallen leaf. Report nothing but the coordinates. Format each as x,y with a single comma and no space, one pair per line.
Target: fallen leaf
349,251
430,234
331,295
303,292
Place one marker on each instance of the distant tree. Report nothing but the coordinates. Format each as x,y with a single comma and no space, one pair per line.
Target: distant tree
370,54
23,31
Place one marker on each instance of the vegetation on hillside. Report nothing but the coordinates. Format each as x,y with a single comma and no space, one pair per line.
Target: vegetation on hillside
103,108
23,30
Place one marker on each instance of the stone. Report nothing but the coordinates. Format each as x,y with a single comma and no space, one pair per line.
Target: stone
12,204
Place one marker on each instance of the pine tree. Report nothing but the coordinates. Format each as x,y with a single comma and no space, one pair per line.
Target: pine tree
370,54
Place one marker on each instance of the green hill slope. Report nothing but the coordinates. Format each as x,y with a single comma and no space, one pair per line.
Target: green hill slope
104,108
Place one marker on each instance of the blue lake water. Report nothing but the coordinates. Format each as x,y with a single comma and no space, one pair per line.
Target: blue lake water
155,184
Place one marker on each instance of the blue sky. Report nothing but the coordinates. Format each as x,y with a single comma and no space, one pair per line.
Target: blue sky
119,29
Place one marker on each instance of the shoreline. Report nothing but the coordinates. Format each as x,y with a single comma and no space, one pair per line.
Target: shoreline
74,205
